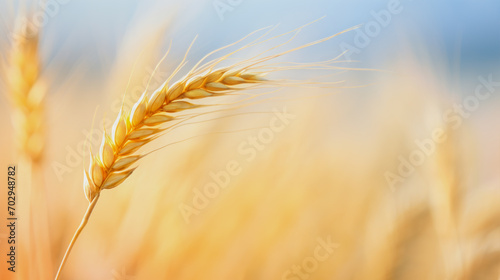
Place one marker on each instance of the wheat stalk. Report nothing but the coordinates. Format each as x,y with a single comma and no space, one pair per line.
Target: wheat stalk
133,129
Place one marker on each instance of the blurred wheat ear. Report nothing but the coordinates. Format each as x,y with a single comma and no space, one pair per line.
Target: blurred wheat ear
152,113
26,90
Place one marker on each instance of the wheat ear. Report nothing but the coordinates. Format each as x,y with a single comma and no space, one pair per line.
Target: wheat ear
145,121
27,94
132,130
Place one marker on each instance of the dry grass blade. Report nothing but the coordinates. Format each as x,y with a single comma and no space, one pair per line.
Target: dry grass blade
152,112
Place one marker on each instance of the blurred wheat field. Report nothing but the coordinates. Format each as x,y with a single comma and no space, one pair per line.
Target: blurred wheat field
333,193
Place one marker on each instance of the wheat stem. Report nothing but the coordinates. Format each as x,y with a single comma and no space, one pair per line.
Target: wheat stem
77,234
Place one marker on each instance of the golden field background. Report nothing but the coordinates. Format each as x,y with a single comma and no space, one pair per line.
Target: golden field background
323,177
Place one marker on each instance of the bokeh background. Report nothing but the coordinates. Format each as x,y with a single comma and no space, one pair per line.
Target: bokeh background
323,178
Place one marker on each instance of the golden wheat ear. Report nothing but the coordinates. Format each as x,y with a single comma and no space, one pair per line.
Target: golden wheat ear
151,114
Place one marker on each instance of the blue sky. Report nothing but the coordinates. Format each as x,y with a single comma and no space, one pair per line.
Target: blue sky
463,34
